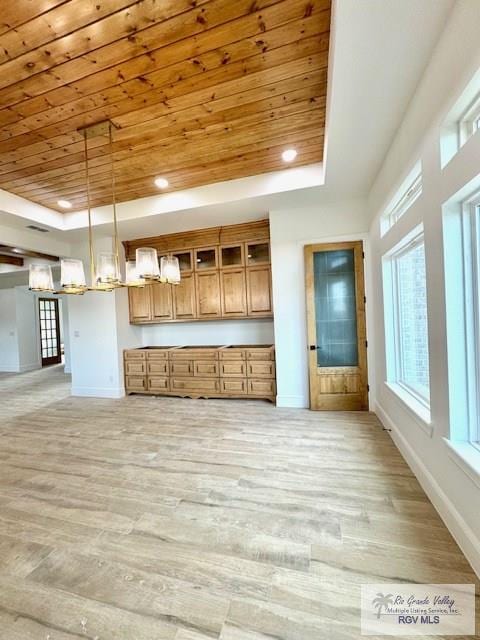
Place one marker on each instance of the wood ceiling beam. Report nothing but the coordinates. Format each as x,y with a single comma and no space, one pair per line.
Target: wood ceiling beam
27,253
17,262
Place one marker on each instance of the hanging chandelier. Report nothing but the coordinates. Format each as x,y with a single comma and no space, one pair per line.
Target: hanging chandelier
105,271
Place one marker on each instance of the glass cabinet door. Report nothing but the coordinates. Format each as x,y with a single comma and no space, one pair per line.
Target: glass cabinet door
231,256
258,253
184,260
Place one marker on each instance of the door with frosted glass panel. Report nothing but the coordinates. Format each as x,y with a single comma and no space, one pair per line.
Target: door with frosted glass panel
337,347
49,331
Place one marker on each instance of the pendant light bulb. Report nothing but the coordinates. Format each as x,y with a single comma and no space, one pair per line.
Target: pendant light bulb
147,263
170,269
40,277
72,276
132,277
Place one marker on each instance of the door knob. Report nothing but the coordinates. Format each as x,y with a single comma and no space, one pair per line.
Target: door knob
313,347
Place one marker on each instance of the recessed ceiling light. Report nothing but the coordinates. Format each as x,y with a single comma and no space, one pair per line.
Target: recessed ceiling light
289,155
65,204
162,183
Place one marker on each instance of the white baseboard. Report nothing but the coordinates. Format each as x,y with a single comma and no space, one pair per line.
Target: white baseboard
297,402
9,368
98,392
464,535
30,367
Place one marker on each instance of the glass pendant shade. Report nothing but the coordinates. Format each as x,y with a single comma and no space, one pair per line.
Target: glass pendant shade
107,269
147,263
170,269
132,279
72,276
40,277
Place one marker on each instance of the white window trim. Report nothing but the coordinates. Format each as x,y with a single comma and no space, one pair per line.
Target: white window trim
462,281
408,193
417,402
469,122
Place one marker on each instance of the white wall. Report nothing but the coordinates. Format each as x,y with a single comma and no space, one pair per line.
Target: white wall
455,494
27,330
290,230
9,360
217,332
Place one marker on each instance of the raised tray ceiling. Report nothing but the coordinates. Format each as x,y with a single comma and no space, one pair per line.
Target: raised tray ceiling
201,91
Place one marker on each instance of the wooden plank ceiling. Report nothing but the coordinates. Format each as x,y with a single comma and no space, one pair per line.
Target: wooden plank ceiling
200,90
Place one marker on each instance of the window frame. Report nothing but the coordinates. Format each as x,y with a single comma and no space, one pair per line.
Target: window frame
413,396
408,193
469,122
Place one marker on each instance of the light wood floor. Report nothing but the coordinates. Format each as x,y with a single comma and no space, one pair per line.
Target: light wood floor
161,518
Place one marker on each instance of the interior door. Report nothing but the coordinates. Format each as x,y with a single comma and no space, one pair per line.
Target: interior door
336,326
49,331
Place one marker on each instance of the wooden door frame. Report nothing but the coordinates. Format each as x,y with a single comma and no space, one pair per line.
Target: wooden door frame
359,266
46,362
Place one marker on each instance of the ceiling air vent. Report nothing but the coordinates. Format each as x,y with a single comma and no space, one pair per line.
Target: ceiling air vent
35,228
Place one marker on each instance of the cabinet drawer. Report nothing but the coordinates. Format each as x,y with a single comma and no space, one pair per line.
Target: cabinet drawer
205,368
261,387
232,354
134,354
234,386
158,354
198,353
195,385
260,354
181,368
158,383
157,367
136,383
135,367
259,369
233,369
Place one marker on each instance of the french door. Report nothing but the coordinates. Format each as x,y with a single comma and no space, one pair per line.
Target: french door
336,326
49,331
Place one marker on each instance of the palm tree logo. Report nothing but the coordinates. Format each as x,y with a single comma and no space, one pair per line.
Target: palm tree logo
382,602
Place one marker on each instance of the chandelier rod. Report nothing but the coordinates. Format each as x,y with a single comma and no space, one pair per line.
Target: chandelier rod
90,234
114,200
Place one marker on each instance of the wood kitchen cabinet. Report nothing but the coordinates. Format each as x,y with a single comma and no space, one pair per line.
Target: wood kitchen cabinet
233,293
225,273
161,301
139,304
259,291
208,294
184,298
202,371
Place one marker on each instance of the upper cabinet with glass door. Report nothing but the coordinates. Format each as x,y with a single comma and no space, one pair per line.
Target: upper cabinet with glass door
185,260
232,256
206,259
257,253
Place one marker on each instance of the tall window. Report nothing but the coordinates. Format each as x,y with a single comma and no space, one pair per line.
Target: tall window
462,283
406,325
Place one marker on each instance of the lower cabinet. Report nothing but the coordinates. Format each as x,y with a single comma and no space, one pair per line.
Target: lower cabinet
229,371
